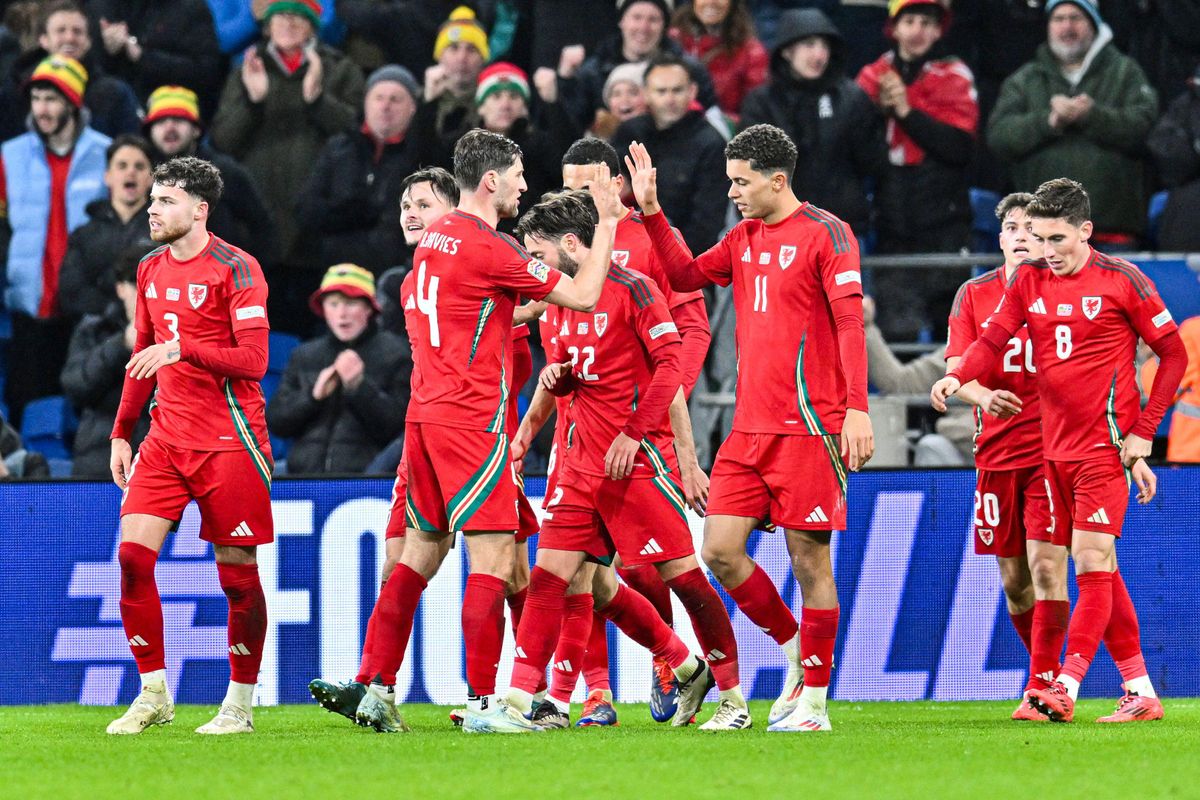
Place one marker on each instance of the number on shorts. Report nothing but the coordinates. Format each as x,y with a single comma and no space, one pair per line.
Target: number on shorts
990,505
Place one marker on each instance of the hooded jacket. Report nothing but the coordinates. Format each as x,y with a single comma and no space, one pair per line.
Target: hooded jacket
838,134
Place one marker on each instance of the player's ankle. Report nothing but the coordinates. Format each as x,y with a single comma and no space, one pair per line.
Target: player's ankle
154,681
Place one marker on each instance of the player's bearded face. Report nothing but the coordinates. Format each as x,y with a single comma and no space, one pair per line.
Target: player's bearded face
552,254
1063,245
510,184
172,213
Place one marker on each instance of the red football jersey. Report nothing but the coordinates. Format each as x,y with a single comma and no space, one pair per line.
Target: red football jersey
784,277
610,352
1084,328
1015,442
633,250
469,277
408,301
205,300
548,326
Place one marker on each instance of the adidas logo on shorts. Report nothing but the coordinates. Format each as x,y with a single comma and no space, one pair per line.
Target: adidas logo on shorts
1100,517
242,530
650,549
817,515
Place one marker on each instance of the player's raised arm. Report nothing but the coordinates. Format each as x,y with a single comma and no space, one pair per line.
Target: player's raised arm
581,292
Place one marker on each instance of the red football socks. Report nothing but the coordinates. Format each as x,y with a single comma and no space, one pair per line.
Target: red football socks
759,600
483,631
1122,637
711,623
141,609
572,644
393,621
646,582
516,607
247,619
539,630
818,633
595,660
637,619
1050,618
1088,622
1023,624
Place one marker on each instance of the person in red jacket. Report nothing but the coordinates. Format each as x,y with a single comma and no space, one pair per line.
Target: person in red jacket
720,35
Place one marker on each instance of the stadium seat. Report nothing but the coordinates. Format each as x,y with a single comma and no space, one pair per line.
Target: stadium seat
60,467
1154,212
280,347
984,225
48,425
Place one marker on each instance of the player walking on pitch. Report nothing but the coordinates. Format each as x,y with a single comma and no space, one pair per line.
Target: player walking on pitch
802,387
1085,311
201,348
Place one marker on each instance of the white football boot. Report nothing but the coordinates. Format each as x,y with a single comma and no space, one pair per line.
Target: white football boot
148,708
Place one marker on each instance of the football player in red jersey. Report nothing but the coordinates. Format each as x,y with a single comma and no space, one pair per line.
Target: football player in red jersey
1085,311
801,399
469,277
618,490
201,348
1012,511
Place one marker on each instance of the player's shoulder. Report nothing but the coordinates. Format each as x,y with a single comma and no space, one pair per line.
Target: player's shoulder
825,223
240,267
632,284
149,262
1124,273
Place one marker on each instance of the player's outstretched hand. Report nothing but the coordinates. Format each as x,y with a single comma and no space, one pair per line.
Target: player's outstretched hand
695,489
858,439
150,360
552,374
1133,448
119,462
1146,480
643,177
1001,403
605,195
942,391
618,461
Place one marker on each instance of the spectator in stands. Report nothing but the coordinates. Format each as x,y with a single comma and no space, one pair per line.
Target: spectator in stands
19,32
558,28
47,178
15,460
461,50
291,95
1175,145
347,210
64,32
92,378
114,222
953,441
1162,36
642,35
404,32
161,43
720,35
1183,440
344,395
624,99
174,127
922,201
837,132
689,154
1080,109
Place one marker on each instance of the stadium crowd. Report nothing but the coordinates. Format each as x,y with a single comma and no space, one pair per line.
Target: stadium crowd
315,112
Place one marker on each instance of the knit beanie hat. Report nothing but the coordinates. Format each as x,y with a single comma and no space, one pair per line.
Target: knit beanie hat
500,76
665,6
349,279
396,74
309,9
461,27
66,75
176,102
630,72
1086,6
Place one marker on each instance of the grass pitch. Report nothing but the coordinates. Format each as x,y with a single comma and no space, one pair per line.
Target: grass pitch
877,750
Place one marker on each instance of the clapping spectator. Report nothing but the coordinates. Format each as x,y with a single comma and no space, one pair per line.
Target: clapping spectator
720,35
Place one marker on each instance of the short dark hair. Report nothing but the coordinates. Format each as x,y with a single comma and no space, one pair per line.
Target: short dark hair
593,151
767,148
1061,198
128,140
1019,200
439,179
479,152
125,265
663,59
197,177
560,213
58,7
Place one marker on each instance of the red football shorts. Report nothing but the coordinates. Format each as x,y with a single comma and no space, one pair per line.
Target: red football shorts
233,495
642,519
1088,495
798,482
398,520
459,480
1010,507
551,475
527,520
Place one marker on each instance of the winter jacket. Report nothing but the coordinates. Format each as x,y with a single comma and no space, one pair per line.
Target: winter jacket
838,133
349,211
734,74
924,191
1175,145
85,282
1105,152
27,190
278,139
92,381
343,432
689,158
240,217
110,101
583,93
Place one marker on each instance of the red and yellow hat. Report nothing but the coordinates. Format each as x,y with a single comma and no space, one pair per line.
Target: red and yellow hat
349,279
66,75
178,102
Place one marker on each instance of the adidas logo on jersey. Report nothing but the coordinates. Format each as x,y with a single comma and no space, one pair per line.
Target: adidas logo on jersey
242,530
151,292
1100,517
651,549
239,649
817,515
138,641
746,259
1038,307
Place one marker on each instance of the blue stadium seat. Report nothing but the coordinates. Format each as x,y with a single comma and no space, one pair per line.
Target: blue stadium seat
60,467
48,425
1154,212
280,347
984,225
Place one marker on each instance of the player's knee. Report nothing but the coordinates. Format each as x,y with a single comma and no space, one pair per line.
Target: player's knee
722,562
389,565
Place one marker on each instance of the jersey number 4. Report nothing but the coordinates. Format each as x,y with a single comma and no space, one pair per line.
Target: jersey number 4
427,304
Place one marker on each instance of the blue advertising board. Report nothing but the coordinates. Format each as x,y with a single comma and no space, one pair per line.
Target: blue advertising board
922,616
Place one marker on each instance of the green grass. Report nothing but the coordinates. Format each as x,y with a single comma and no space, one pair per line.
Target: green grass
877,750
